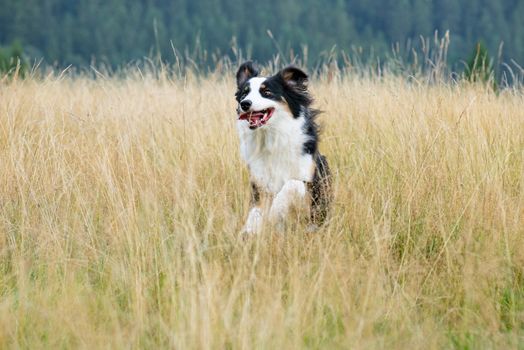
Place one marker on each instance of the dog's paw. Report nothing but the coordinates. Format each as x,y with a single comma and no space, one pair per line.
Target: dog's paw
254,222
312,228
291,194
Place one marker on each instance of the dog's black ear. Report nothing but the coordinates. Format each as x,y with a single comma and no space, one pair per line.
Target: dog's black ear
246,71
294,77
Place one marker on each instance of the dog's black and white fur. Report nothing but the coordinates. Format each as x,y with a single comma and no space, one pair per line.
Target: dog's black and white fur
279,142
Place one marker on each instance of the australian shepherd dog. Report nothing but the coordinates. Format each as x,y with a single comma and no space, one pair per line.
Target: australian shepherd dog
279,142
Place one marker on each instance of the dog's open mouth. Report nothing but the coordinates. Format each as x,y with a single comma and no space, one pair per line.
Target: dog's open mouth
258,118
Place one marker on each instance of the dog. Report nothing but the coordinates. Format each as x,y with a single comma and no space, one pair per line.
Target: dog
279,139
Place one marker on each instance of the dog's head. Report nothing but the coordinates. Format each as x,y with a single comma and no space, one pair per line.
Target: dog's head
283,95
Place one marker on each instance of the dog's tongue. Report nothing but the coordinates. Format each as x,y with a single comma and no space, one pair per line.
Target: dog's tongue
255,119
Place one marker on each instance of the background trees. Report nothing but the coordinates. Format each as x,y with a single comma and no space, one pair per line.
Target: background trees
117,31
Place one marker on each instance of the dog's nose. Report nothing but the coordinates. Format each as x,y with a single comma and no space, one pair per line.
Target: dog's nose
245,105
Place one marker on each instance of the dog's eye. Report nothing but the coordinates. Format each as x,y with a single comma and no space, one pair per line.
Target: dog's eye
266,92
242,92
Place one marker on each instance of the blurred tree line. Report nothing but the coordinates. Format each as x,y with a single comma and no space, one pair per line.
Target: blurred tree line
117,31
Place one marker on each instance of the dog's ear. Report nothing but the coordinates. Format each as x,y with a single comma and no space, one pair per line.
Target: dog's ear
294,77
246,71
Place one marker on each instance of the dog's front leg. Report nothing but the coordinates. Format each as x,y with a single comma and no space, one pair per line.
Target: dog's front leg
292,194
255,217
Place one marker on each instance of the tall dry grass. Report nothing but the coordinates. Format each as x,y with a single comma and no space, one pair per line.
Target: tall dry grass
121,201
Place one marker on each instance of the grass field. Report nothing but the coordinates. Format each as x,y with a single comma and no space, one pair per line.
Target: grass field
121,201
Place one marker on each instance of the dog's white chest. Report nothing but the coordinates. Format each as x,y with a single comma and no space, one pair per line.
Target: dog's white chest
274,154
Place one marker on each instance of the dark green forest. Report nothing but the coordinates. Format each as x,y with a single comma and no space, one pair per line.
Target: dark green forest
81,32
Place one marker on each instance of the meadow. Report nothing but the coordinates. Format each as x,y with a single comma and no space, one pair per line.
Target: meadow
122,199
